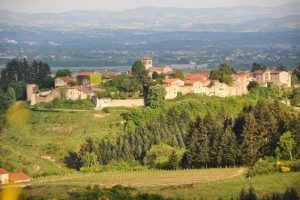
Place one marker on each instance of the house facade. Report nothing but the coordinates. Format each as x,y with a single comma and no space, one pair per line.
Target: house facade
12,177
3,176
78,92
281,78
62,81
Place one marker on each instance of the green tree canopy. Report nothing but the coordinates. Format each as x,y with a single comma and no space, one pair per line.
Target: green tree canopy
285,146
223,74
63,72
156,96
179,74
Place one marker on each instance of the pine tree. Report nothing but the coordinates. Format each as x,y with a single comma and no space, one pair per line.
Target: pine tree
249,140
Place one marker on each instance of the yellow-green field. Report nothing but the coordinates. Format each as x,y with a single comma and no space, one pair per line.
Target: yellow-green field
144,177
188,184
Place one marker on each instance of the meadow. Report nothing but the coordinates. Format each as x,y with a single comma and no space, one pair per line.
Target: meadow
48,136
188,184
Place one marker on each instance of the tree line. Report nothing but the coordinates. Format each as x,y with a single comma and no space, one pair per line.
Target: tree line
20,70
215,140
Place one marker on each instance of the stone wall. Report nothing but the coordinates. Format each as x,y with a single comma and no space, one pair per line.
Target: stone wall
34,96
103,103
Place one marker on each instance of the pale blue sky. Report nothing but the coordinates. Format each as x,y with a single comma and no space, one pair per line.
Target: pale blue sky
67,5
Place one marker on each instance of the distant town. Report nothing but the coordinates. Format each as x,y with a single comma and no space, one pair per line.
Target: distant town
86,85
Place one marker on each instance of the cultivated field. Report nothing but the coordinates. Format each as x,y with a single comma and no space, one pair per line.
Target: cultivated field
211,184
145,177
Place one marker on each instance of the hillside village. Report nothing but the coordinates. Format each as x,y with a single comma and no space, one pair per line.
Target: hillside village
85,85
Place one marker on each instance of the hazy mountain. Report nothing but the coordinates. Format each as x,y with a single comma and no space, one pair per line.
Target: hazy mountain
242,18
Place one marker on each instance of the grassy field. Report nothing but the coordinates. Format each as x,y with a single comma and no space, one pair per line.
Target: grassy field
144,177
48,136
189,184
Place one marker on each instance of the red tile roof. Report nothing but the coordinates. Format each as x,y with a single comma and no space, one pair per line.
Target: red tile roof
3,171
18,176
170,80
80,88
242,73
189,82
85,73
67,79
110,74
161,68
196,76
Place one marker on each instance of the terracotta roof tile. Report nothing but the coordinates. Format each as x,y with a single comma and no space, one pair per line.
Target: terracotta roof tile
196,76
67,79
80,88
3,171
18,176
170,80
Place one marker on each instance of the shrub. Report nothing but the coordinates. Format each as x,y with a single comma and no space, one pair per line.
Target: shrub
285,169
106,110
262,167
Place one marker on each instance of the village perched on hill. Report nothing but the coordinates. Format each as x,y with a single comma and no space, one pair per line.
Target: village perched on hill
87,85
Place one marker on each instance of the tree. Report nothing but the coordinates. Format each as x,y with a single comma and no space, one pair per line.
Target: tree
249,138
89,160
252,85
63,72
173,161
281,68
20,89
156,96
139,71
285,146
20,70
11,93
179,74
223,74
296,72
256,66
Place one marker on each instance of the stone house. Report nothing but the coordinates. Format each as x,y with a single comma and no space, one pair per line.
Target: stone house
88,78
3,176
62,81
12,177
147,61
160,70
173,81
281,78
77,92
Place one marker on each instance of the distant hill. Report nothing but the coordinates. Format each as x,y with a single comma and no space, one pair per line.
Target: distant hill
240,19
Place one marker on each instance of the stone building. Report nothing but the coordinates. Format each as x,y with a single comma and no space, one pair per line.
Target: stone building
62,81
281,78
77,92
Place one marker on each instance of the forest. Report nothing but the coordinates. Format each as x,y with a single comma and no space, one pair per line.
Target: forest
174,137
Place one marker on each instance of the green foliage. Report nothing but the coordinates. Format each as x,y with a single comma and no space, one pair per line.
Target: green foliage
252,85
295,101
179,74
79,104
20,89
156,96
286,145
223,74
248,195
296,73
20,70
63,73
263,166
256,67
89,160
95,79
139,72
158,156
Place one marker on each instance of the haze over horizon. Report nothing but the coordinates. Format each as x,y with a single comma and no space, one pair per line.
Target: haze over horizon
34,6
